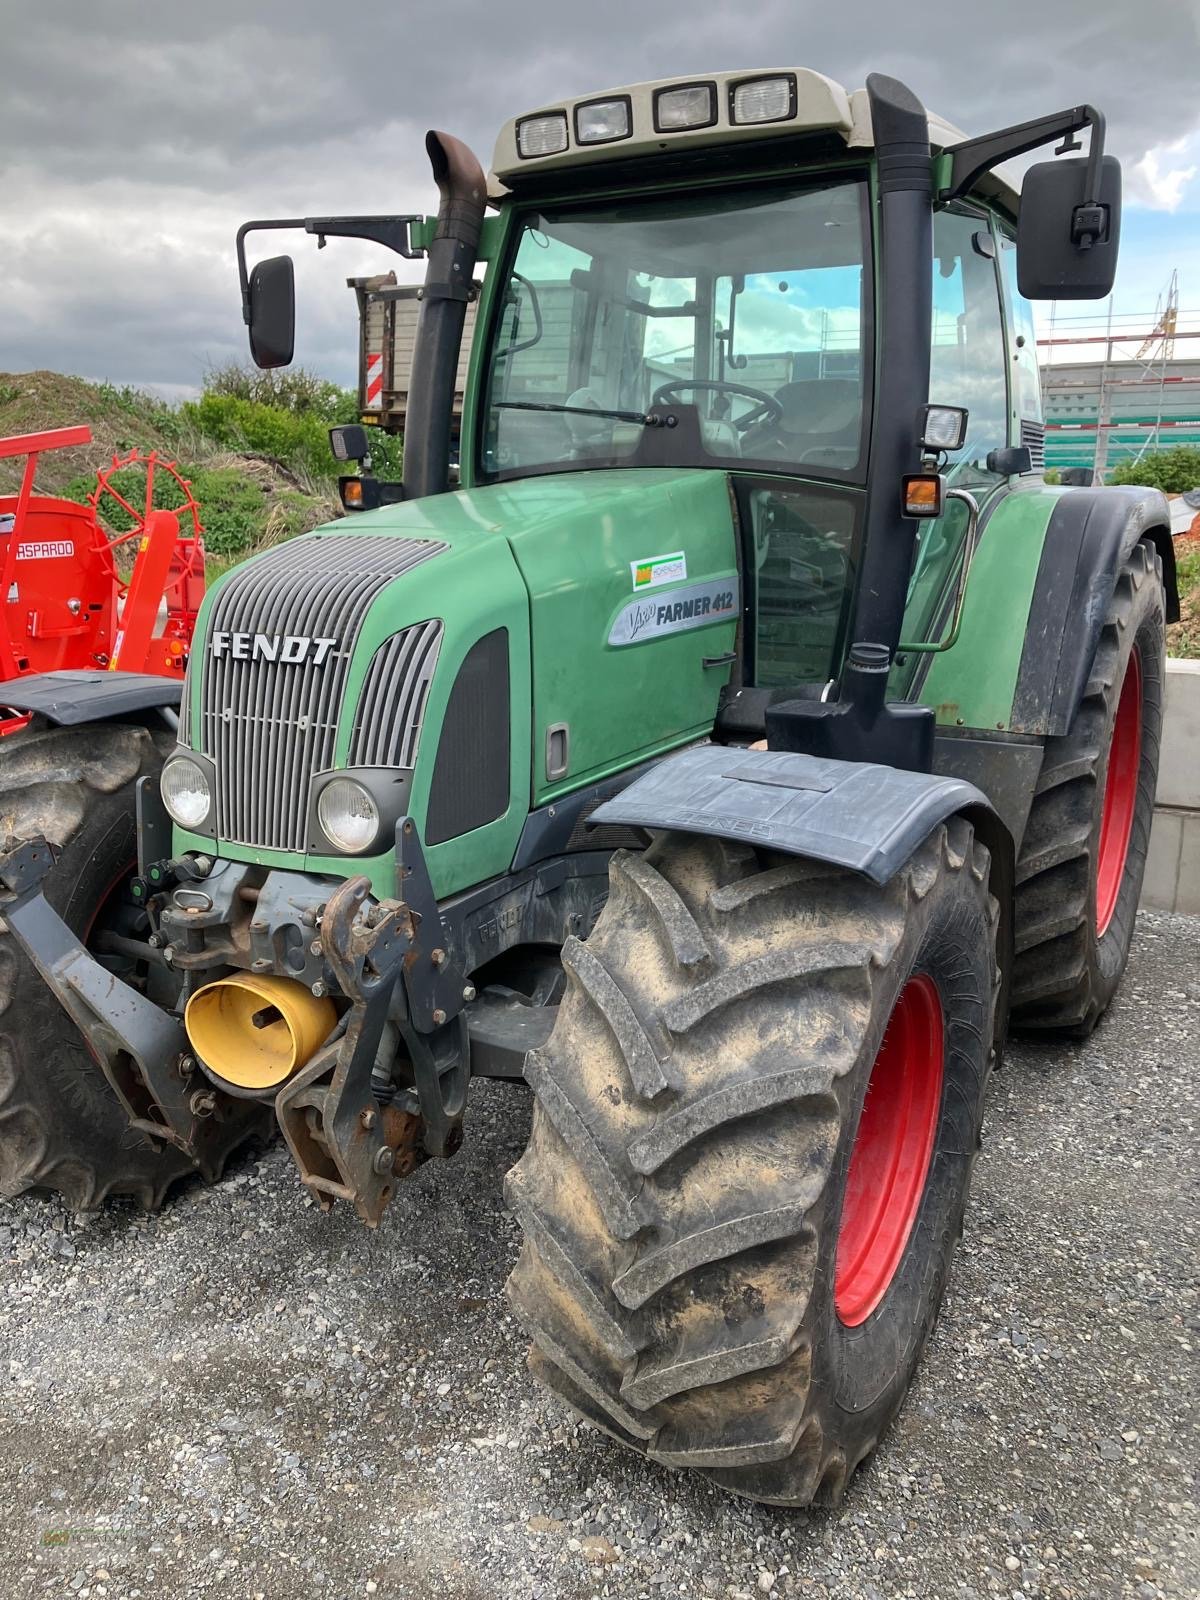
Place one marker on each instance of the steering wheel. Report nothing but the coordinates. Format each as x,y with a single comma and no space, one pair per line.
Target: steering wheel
768,408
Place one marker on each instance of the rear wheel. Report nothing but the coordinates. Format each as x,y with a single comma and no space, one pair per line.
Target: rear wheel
61,1126
1079,874
755,1124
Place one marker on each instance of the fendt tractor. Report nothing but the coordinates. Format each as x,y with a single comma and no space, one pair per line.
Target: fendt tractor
733,754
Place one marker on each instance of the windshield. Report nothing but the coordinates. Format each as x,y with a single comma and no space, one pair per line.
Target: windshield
726,329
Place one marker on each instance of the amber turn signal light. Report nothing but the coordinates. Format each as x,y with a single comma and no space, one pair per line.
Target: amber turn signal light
921,494
352,493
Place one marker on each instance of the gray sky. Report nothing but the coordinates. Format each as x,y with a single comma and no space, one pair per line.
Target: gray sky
138,136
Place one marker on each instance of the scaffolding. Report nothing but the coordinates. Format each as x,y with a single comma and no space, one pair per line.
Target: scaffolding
1137,392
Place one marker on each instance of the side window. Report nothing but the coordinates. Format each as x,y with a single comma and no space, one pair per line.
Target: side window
801,565
968,362
1027,389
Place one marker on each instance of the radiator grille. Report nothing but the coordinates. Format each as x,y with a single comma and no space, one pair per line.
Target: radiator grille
269,725
1033,434
387,725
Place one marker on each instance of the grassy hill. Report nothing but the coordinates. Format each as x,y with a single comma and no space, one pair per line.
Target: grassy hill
260,470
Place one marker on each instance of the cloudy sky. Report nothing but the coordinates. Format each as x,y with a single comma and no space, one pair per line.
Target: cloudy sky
138,136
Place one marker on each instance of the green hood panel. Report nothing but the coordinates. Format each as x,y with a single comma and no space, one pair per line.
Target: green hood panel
577,538
613,588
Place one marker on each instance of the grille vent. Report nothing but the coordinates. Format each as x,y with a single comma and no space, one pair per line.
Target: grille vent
387,725
1033,434
269,725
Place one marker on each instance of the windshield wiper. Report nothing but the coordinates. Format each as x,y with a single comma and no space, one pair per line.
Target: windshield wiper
647,419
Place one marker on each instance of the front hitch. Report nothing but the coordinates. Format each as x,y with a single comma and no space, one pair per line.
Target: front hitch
345,1145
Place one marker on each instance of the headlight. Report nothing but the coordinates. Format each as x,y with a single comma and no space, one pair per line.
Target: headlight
348,816
185,792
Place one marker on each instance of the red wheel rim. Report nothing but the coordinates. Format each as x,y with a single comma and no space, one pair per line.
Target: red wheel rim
892,1151
1120,794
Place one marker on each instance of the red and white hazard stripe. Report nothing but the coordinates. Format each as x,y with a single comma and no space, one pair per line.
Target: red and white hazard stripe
374,400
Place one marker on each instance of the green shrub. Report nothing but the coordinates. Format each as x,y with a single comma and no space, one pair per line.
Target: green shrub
1172,471
233,509
297,441
292,389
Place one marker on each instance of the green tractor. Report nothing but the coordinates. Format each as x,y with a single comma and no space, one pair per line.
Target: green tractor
740,743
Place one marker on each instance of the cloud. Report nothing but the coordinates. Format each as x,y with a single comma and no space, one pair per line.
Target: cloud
1158,180
138,137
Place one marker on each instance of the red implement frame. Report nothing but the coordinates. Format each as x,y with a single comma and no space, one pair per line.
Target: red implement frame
63,600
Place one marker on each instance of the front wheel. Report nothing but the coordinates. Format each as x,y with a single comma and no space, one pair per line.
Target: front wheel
752,1143
61,1126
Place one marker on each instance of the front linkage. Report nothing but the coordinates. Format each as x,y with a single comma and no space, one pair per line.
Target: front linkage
351,1130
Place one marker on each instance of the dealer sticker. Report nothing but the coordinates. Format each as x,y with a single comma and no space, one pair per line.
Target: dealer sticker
653,570
695,606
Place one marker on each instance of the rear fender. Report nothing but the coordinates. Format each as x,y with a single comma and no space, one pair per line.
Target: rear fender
1090,536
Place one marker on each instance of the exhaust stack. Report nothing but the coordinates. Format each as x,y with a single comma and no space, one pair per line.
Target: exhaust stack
252,1034
452,254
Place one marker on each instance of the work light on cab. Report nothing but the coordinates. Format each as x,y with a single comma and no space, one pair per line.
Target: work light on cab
542,136
764,99
694,106
185,792
945,428
602,120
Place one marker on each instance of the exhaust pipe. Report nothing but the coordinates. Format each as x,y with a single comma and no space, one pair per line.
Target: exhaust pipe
452,256
252,1034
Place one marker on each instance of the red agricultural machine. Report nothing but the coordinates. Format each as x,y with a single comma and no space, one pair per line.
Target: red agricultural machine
78,594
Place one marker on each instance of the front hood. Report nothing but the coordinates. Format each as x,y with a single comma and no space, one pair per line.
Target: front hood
338,648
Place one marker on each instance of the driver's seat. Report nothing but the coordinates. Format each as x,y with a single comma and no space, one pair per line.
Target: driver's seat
824,411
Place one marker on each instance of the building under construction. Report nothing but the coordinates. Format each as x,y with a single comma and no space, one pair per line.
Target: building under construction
1115,389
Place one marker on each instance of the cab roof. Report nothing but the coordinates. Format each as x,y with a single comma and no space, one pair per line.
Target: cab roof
816,104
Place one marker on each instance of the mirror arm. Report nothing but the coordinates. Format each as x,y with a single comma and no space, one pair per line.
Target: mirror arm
391,232
971,159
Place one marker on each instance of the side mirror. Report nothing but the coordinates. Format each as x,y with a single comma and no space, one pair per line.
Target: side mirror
348,442
1067,239
272,314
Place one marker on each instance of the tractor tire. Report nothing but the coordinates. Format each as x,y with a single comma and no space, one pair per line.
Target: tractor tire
713,1269
61,1126
1080,868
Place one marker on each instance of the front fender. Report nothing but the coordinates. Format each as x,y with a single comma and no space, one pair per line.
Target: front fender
71,698
850,813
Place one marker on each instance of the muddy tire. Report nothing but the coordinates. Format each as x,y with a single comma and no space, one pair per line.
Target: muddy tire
697,1273
1080,869
61,1126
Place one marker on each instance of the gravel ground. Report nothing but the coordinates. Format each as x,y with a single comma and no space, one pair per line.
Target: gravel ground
244,1397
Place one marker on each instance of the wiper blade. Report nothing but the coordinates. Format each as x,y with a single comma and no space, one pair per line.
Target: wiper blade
647,419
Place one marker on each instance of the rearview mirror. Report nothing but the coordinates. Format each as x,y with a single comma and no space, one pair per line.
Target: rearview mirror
272,319
1067,239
